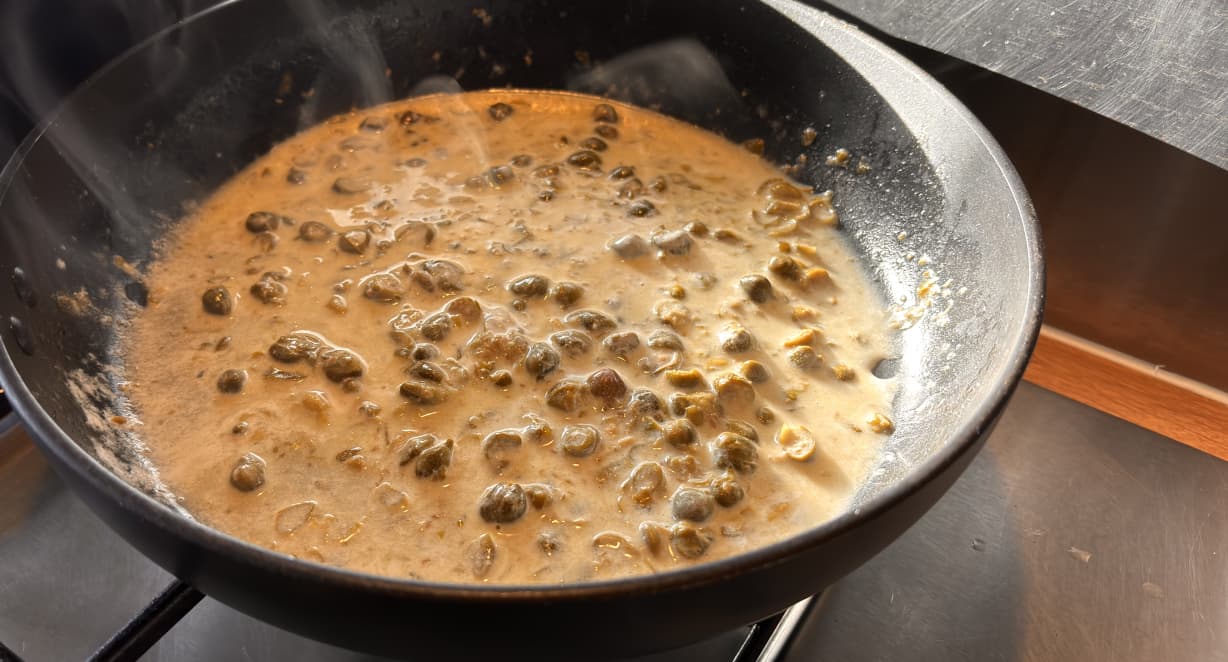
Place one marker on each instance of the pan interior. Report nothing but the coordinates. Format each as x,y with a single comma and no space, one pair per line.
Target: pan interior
137,146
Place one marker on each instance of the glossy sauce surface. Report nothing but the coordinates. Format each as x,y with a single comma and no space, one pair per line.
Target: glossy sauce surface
510,337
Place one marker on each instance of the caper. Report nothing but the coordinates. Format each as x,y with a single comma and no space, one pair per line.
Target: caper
248,473
621,343
654,536
622,172
804,358
351,185
503,503
436,327
383,287
539,495
217,301
374,124
445,275
630,246
546,195
734,451
691,378
606,384
604,112
501,378
756,287
579,440
736,340
566,294
643,403
354,241
314,231
231,381
465,308
423,351
541,360
689,541
538,432
422,393
594,143
754,371
658,184
591,320
530,285
765,416
341,364
692,504
679,432
754,145
647,480
412,447
296,176
642,208
263,221
269,291
606,131
428,371
732,389
411,117
631,189
665,340
498,446
571,342
743,428
727,491
549,170
500,111
416,162
522,160
785,267
697,228
585,159
294,347
482,553
566,395
433,462
500,175
674,242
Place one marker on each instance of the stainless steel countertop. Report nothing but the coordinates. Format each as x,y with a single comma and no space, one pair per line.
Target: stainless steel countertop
1158,66
1073,536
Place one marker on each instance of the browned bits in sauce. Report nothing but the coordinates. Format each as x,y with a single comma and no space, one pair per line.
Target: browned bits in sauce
507,327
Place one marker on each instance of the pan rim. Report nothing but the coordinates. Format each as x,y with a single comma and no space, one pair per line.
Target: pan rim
52,439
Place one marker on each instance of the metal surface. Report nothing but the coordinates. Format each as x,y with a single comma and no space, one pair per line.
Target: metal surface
1073,536
1159,67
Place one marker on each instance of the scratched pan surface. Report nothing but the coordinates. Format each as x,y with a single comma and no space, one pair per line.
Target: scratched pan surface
170,121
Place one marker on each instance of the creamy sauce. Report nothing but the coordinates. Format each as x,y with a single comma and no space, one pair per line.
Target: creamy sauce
373,437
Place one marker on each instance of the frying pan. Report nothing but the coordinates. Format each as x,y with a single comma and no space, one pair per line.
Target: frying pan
88,194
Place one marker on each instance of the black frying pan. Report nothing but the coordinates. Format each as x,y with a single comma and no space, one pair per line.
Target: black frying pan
170,121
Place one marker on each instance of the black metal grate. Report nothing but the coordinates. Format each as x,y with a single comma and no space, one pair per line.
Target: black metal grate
766,641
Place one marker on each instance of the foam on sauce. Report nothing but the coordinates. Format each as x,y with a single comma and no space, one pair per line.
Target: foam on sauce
355,443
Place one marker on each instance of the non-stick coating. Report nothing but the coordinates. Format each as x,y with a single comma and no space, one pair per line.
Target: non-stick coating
164,126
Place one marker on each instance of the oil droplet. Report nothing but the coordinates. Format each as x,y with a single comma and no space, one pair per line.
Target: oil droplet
22,335
21,284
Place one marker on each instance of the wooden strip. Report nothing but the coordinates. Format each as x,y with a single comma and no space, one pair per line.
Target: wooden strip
1132,390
